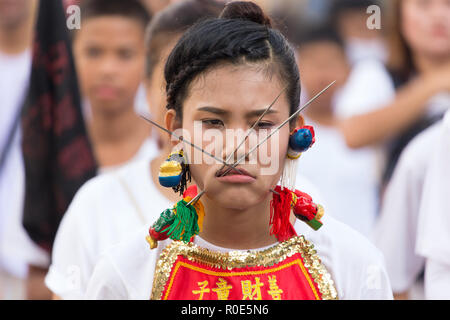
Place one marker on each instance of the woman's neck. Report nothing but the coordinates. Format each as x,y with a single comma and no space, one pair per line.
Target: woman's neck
425,63
117,138
237,229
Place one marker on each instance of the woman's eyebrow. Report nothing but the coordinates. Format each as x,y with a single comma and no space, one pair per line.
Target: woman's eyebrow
214,110
257,113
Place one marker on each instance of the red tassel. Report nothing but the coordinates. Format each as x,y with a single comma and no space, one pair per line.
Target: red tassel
190,192
280,211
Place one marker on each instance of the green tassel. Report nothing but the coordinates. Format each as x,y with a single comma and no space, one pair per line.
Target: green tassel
185,224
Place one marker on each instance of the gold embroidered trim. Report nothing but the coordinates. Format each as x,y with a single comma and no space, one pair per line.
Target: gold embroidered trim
241,259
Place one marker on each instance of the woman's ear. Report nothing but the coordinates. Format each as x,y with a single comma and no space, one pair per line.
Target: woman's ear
300,122
172,123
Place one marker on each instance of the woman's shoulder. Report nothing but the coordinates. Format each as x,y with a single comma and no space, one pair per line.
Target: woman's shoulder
355,264
109,182
128,267
336,235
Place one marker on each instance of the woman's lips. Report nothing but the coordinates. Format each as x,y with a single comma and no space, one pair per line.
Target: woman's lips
235,177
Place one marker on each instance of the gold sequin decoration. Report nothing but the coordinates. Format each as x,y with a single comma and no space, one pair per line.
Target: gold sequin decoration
241,259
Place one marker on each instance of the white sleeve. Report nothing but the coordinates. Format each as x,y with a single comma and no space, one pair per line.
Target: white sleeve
356,265
106,283
376,284
368,88
437,280
433,239
366,276
396,229
72,261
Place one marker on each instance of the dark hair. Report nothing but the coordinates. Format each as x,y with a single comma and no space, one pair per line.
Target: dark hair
320,33
133,9
242,34
400,62
174,21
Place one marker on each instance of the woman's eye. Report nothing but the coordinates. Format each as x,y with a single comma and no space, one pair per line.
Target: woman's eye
264,125
213,122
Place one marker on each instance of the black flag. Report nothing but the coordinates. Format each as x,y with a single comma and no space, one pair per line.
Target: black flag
57,153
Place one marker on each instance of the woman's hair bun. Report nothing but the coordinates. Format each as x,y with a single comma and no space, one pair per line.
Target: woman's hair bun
246,10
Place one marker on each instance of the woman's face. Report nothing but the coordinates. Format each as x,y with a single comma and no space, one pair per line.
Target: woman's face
220,107
426,26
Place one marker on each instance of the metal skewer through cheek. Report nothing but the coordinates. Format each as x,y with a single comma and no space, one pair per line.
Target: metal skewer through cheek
268,137
253,127
279,127
191,144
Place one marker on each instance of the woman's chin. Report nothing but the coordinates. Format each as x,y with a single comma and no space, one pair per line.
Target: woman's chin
236,197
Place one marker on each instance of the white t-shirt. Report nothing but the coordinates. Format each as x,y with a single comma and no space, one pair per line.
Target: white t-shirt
396,229
433,236
126,271
14,79
104,211
17,243
368,88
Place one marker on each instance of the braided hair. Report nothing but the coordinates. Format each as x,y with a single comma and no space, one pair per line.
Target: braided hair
242,34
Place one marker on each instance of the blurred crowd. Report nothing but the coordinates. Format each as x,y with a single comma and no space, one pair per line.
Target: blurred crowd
376,128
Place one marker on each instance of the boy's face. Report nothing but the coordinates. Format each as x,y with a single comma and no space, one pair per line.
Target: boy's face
321,63
110,57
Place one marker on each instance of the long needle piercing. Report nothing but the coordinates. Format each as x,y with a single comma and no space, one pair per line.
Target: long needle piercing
279,127
191,144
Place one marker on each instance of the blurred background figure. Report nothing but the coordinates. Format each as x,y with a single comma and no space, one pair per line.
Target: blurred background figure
109,53
16,33
419,37
338,171
433,238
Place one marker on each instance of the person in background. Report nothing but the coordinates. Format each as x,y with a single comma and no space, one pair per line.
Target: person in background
433,241
109,53
322,59
118,202
420,66
16,33
399,214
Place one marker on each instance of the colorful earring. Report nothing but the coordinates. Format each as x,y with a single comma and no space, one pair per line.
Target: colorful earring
174,172
285,200
182,222
300,140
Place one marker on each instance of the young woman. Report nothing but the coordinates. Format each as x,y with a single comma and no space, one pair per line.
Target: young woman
223,73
